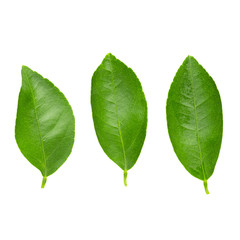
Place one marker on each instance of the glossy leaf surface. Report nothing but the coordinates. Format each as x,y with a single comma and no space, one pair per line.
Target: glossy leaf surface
45,124
119,111
194,118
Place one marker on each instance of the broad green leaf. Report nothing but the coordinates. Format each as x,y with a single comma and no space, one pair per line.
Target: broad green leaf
45,125
194,118
119,111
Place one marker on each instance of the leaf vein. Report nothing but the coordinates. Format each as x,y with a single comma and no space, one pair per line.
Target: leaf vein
118,121
196,121
38,125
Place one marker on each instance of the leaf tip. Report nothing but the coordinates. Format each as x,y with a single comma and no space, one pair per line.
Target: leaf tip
109,56
107,62
25,70
190,58
24,67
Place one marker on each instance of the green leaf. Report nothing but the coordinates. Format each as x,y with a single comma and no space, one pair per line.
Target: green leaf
45,125
194,118
119,111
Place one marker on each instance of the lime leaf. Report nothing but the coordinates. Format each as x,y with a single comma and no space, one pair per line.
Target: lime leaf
45,125
194,119
119,111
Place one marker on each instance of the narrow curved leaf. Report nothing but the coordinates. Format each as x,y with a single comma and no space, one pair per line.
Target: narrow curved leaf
45,123
119,111
194,118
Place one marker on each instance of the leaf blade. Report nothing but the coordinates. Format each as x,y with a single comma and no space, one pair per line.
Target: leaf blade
45,124
194,117
115,93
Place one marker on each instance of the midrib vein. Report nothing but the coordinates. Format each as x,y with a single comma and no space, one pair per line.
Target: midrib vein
196,121
39,130
119,127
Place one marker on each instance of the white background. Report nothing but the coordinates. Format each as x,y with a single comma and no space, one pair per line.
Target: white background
65,41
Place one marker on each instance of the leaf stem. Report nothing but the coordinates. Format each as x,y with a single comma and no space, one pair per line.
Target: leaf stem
44,181
125,177
205,186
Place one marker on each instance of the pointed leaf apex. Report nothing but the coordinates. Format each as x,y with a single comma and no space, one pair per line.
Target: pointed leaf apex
107,61
24,67
109,55
189,57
